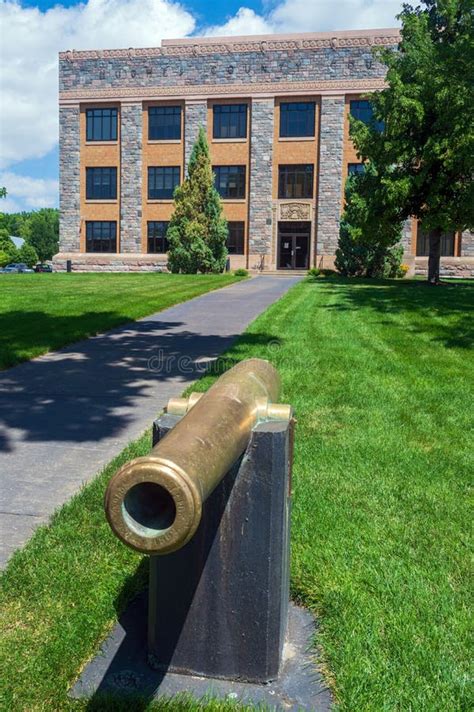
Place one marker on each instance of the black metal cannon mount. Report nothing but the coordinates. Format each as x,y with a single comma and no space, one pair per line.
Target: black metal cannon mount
211,505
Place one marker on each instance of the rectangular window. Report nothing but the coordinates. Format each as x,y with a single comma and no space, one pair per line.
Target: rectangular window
101,236
156,234
101,183
295,181
423,244
235,240
230,121
101,124
164,123
297,119
230,181
162,180
362,110
355,168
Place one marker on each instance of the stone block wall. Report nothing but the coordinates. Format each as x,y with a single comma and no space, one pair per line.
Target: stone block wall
130,177
467,244
195,116
69,178
261,161
331,145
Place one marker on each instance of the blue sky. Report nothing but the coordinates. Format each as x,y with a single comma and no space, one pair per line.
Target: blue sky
33,31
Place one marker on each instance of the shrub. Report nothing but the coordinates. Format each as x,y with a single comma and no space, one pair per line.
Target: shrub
241,272
7,247
402,271
28,255
360,258
314,272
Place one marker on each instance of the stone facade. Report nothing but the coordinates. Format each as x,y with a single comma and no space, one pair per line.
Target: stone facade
195,117
406,240
131,177
261,204
330,173
460,267
328,70
195,65
467,244
69,178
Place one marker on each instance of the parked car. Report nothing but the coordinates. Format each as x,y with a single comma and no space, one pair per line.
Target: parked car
9,270
43,267
17,267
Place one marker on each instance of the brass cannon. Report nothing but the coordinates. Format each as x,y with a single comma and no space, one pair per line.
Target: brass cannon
154,503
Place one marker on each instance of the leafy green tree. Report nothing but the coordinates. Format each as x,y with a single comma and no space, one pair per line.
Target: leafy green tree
41,230
425,153
4,259
197,232
28,255
7,247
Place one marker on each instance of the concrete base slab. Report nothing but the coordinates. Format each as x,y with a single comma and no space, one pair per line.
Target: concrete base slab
120,669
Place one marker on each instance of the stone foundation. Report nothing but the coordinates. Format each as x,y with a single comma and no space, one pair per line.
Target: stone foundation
461,267
123,262
110,263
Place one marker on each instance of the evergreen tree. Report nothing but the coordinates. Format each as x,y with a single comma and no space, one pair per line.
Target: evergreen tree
197,232
426,151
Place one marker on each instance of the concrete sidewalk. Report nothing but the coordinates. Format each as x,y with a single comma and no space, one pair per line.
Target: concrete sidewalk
65,415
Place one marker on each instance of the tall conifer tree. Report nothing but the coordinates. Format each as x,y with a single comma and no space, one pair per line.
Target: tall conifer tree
197,232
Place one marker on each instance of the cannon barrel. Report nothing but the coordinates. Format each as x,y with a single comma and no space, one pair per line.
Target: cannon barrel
154,503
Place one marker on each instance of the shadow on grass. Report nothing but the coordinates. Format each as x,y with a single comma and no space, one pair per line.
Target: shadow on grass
444,313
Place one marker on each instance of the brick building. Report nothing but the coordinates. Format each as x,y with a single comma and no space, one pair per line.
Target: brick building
276,110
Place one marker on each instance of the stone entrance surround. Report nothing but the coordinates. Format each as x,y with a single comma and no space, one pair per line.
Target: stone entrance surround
326,68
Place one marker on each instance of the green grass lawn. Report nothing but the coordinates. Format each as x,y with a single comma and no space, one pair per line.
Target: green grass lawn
42,312
381,377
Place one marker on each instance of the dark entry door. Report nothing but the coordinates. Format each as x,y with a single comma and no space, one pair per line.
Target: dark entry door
293,248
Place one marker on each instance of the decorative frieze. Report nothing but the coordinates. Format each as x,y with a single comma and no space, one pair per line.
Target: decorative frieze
216,90
202,46
295,211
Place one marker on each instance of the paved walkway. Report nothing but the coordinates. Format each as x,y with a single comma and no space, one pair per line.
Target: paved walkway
65,415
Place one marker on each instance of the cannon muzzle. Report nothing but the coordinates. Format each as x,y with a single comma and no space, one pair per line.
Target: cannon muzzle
154,503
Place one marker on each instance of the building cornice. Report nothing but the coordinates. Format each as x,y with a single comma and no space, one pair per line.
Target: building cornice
215,91
199,46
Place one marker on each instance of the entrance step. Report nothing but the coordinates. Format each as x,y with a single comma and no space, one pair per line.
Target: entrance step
281,272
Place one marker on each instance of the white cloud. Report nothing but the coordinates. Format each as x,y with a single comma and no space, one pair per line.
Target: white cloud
311,16
326,15
30,40
24,191
245,22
